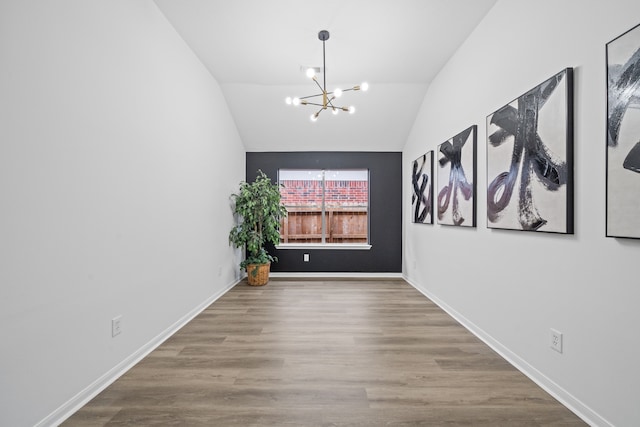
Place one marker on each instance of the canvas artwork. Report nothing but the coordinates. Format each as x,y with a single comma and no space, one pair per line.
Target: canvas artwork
623,135
530,159
457,179
422,184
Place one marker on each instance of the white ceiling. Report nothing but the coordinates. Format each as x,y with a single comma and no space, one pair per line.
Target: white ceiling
255,49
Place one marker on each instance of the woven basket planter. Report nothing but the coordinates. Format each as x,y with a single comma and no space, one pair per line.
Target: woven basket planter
258,274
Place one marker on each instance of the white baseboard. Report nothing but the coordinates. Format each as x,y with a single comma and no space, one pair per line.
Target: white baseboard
302,275
78,401
563,396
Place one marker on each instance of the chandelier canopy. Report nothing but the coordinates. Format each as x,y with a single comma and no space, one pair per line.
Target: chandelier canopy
324,100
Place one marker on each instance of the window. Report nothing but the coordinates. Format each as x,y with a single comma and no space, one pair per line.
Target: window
325,206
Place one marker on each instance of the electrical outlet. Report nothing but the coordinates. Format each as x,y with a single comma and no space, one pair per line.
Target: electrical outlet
116,326
305,257
556,340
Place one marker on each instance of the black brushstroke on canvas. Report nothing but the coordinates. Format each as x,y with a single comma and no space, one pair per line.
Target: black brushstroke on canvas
528,150
420,181
632,161
624,93
452,153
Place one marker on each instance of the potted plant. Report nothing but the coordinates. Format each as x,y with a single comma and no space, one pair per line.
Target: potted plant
258,204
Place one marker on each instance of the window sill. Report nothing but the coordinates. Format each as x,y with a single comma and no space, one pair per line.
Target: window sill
330,246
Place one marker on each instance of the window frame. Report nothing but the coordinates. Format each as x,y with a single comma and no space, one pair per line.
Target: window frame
324,244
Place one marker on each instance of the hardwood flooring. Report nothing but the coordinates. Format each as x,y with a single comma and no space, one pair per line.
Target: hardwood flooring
323,353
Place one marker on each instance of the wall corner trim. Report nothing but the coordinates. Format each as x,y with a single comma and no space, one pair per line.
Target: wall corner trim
567,399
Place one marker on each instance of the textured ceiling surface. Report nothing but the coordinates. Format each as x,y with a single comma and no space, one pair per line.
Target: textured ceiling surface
257,49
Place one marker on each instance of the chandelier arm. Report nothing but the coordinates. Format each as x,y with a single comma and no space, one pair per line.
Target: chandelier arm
323,90
331,93
340,108
329,105
313,103
310,96
335,107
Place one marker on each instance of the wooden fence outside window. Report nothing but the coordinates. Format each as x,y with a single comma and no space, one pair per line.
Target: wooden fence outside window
343,225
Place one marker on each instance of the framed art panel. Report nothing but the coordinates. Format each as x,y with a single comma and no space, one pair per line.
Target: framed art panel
530,159
422,184
623,135
457,179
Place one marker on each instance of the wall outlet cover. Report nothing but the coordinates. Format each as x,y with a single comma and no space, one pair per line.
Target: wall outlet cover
556,340
116,326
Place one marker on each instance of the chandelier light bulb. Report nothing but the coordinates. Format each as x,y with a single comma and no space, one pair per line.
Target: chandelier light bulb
335,111
314,117
352,109
364,86
311,73
295,101
337,93
288,100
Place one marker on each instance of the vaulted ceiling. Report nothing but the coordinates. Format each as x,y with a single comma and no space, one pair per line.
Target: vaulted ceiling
257,51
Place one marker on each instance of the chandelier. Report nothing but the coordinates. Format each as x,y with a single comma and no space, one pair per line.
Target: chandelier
324,100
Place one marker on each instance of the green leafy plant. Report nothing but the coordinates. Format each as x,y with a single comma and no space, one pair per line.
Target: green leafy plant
258,205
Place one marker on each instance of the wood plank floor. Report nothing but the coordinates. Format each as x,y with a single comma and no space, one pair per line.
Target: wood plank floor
323,353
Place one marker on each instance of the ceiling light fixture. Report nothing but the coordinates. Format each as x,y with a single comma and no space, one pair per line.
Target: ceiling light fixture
327,97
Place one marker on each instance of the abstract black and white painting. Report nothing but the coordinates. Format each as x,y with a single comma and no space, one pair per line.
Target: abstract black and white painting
623,135
422,184
530,159
457,179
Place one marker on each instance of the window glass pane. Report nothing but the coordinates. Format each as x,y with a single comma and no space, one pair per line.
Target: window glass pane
302,196
325,206
346,202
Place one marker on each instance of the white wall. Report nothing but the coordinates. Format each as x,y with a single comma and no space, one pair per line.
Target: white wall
511,287
117,158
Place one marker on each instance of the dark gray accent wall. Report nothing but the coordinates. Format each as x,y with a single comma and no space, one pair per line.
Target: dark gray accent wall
385,210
